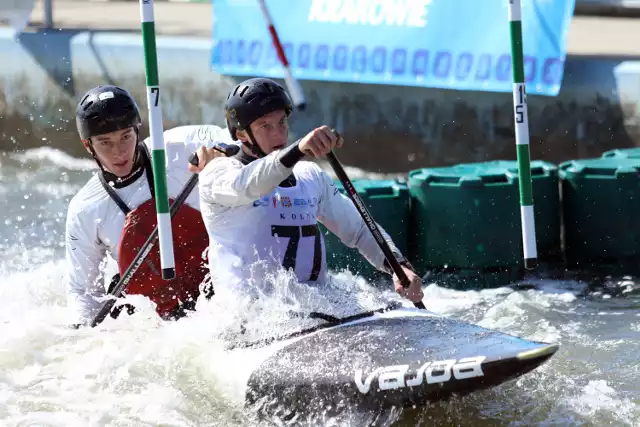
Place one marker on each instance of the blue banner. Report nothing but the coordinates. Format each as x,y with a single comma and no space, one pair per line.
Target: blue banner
450,44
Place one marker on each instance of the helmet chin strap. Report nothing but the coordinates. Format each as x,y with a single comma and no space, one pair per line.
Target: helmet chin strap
253,145
94,155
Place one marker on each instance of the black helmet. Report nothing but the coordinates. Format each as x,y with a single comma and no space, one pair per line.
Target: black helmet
106,108
253,99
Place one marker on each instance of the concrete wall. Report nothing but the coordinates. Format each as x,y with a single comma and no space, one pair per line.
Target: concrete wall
608,7
388,128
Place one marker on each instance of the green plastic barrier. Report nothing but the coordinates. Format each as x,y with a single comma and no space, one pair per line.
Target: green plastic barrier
600,205
623,153
388,203
468,216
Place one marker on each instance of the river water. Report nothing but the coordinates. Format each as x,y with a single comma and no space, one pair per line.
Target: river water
138,371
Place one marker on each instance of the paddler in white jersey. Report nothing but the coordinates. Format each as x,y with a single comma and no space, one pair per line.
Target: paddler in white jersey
115,211
261,208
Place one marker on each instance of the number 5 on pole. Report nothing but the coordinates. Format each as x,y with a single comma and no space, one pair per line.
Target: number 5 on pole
522,137
158,157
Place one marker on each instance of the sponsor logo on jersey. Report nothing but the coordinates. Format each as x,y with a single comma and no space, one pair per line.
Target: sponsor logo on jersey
264,201
285,201
311,202
400,376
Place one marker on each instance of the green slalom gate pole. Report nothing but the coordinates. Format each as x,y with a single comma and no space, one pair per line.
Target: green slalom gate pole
522,137
167,259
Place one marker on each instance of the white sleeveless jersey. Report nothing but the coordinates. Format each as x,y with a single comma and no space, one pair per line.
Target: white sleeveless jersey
256,226
94,221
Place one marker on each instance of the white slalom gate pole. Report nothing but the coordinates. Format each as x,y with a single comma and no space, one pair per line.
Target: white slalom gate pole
167,259
522,137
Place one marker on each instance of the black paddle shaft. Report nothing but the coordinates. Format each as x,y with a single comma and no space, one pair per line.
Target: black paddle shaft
120,287
369,221
122,284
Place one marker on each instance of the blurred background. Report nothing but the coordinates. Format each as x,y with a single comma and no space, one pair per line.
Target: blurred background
447,101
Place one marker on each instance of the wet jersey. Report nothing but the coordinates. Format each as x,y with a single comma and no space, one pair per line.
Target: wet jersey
262,215
95,222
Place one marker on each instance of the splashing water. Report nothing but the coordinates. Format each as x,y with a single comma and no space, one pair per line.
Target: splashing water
138,370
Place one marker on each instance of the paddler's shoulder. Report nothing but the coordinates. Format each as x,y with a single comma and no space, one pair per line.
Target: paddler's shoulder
89,197
218,167
307,168
207,135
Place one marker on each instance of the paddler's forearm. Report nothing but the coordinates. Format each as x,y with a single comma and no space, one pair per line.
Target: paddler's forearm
83,305
226,181
369,248
83,254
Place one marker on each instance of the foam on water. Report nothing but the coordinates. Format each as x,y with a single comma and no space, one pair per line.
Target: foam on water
138,370
53,158
134,369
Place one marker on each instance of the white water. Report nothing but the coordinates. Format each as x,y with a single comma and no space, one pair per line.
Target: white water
138,371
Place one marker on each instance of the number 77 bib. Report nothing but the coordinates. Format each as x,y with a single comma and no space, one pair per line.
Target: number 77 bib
295,235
